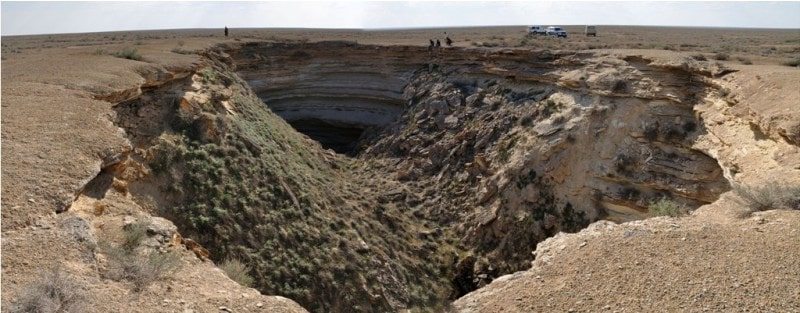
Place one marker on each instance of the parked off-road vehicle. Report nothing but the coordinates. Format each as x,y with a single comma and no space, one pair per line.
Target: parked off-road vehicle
591,31
556,31
536,30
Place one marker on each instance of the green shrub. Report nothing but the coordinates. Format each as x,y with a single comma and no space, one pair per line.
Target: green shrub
129,53
54,291
237,271
794,62
667,207
209,75
721,56
770,196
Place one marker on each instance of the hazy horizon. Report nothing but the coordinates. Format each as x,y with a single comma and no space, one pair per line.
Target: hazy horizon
43,18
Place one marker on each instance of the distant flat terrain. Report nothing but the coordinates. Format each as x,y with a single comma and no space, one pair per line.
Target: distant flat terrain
760,46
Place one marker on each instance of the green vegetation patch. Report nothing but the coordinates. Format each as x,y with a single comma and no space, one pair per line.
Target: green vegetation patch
667,207
129,53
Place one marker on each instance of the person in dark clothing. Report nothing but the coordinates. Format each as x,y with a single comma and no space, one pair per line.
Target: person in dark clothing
438,43
448,41
226,31
430,47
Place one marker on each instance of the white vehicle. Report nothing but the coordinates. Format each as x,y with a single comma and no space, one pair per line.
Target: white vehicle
556,31
536,30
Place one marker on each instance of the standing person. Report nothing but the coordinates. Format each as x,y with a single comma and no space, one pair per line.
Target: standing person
448,41
430,47
226,31
438,43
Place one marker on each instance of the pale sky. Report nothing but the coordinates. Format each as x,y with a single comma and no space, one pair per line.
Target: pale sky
20,18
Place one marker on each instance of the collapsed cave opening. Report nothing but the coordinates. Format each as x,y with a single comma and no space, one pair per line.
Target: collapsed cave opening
329,96
342,138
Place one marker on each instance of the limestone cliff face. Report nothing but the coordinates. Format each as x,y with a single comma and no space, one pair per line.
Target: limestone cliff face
337,82
522,145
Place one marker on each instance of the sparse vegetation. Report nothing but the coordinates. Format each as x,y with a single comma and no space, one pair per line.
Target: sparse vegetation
770,196
620,86
672,132
237,271
650,131
623,163
667,207
506,147
550,107
55,291
182,51
744,60
793,62
721,56
699,57
129,53
137,267
133,236
209,75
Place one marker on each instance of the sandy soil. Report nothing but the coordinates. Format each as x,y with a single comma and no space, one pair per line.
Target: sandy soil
692,264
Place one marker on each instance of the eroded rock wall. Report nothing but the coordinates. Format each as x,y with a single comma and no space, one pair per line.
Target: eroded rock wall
520,145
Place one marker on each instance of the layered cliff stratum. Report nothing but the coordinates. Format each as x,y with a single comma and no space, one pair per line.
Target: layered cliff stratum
358,178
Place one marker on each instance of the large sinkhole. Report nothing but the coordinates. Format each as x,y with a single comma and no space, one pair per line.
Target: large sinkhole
436,223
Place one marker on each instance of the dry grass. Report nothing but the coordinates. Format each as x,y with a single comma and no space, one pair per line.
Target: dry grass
237,271
183,51
768,197
134,234
140,269
54,291
720,56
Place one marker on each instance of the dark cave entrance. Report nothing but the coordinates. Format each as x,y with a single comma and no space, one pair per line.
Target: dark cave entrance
339,137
